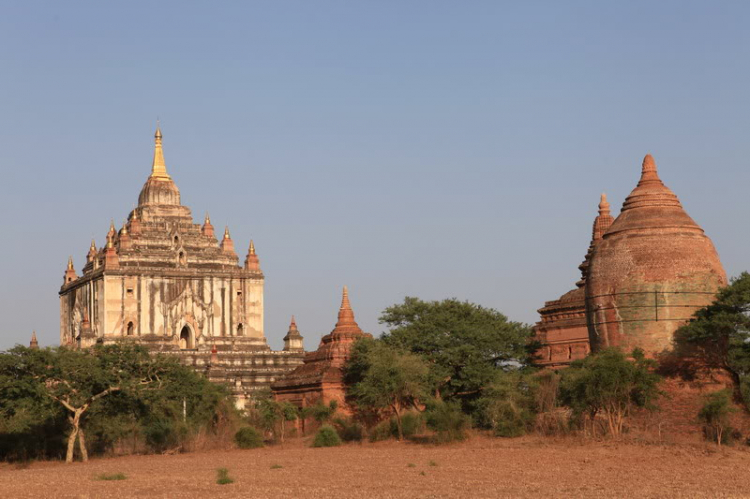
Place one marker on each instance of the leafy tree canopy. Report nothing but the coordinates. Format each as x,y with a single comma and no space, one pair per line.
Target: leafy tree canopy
611,384
385,378
463,343
719,335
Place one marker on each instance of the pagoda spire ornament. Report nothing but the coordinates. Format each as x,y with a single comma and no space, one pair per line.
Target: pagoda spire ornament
226,243
159,167
252,263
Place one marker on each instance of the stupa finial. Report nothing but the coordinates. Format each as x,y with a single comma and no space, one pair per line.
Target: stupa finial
158,167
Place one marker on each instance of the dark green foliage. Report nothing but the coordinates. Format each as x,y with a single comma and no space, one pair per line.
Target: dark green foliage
326,437
248,438
383,378
164,434
115,393
320,412
715,416
348,429
447,421
222,477
610,384
274,414
464,344
412,424
381,431
719,334
508,404
111,476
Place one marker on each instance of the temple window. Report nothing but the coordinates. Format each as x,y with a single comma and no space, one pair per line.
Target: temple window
130,328
240,329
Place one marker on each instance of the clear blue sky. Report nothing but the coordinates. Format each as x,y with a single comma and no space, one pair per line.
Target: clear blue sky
422,148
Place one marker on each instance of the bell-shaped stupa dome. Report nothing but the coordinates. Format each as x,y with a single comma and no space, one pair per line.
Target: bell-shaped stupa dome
652,269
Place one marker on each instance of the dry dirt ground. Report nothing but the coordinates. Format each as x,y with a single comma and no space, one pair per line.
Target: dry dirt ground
480,467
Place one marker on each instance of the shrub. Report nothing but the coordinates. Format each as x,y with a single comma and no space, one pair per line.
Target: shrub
348,429
248,438
412,423
162,434
326,437
508,404
111,476
447,421
222,477
381,431
610,384
715,416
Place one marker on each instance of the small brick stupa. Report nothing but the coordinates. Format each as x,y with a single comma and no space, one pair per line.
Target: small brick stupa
321,377
562,328
652,269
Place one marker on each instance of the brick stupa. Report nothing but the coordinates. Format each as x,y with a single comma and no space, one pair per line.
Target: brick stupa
652,269
320,377
562,327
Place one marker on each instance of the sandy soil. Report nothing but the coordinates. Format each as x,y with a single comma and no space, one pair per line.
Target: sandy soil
481,467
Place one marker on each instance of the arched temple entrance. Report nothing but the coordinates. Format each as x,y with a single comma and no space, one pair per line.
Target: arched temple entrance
186,338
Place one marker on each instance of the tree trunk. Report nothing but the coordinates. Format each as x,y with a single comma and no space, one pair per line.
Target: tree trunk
71,443
82,446
398,422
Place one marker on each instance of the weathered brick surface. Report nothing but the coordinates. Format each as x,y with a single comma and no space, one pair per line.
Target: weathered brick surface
321,377
653,268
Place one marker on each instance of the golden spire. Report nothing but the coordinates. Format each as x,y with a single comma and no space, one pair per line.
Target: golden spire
70,263
252,247
207,219
92,249
159,168
226,232
124,231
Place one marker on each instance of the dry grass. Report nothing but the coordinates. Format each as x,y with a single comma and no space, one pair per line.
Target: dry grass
480,467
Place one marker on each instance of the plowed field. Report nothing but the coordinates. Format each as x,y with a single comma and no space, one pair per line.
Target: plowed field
481,467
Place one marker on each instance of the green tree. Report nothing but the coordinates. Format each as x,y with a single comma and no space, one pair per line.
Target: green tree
611,384
79,379
464,344
715,415
274,412
113,390
719,334
386,379
509,403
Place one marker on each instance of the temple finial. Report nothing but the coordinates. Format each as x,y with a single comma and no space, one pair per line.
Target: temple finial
70,262
345,300
603,205
226,232
34,343
293,324
207,220
158,167
648,169
346,314
252,247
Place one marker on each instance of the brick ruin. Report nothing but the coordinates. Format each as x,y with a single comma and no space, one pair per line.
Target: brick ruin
165,282
321,378
645,274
